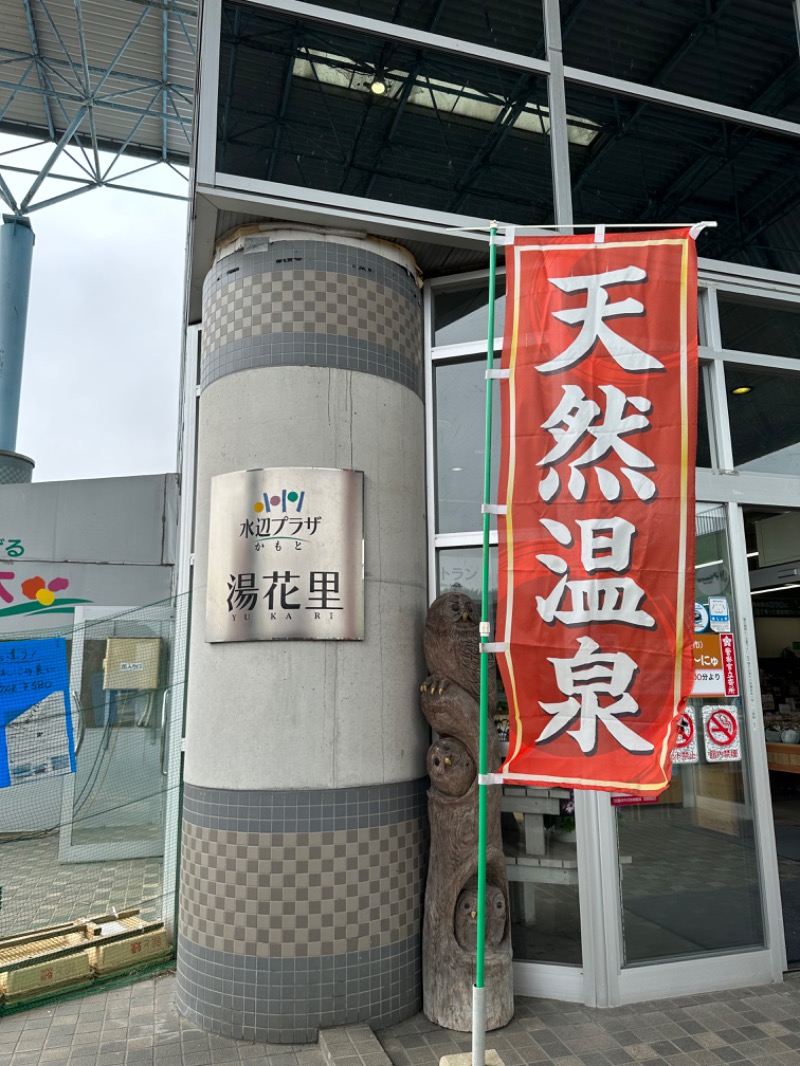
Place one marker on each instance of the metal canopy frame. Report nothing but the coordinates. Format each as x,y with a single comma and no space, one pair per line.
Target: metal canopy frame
97,80
750,138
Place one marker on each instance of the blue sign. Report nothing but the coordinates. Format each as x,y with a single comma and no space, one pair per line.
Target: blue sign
719,614
36,739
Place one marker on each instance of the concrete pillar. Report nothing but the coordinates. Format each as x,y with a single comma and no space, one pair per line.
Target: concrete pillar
304,831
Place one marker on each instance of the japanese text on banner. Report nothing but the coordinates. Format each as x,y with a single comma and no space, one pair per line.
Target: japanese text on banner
597,473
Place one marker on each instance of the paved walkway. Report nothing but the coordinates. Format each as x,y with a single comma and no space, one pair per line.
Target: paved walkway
139,1025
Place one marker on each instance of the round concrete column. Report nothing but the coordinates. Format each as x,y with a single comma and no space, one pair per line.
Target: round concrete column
304,832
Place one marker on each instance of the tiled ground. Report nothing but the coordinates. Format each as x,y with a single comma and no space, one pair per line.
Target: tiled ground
139,1026
749,1026
37,890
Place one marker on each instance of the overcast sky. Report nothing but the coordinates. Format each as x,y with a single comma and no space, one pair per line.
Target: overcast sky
102,355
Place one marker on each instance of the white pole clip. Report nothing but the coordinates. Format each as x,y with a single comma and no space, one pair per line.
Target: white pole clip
493,508
698,228
497,375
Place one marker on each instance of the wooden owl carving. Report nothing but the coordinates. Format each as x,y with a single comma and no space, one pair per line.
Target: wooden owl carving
465,923
452,644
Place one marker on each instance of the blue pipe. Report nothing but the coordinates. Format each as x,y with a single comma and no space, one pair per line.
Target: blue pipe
16,254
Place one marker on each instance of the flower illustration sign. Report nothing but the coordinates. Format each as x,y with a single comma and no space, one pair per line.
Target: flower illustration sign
34,595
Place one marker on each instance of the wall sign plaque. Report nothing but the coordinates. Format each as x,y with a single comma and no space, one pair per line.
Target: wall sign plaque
286,555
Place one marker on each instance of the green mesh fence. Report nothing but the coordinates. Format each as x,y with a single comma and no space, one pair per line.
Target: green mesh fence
89,767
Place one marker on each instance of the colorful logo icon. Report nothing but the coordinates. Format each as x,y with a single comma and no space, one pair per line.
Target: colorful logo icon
287,498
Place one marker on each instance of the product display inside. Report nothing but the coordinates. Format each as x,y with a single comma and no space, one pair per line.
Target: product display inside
773,548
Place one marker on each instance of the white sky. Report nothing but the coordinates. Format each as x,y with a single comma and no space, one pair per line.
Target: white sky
102,355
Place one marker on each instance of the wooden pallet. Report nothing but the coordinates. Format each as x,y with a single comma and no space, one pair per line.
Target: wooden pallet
73,954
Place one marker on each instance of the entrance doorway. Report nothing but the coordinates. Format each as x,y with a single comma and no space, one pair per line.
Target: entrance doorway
773,550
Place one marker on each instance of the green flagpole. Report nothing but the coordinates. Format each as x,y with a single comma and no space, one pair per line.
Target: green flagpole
478,991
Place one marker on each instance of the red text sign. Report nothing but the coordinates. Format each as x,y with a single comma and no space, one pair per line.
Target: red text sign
596,604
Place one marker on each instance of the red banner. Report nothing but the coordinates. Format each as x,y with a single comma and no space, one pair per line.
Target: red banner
596,550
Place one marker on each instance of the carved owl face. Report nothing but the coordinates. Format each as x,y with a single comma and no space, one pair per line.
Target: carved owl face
454,610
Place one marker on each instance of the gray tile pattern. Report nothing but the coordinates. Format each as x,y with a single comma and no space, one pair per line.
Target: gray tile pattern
140,1024
288,1000
301,908
306,810
312,304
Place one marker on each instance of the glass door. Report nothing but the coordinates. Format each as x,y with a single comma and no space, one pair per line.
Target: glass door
114,805
773,549
689,869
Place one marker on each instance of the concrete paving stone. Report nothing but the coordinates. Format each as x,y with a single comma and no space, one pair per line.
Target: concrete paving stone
682,1058
772,1028
732,1036
617,1056
709,1040
706,1057
56,1054
419,1054
729,1054
593,1058
32,1041
399,1057
26,1058
193,1037
627,1036
689,1025
685,1043
567,1060
39,1019
309,1056
56,1038
140,1056
644,1035
111,1058
642,1052
752,1017
108,1047
550,1043
664,1048
82,1060
195,1058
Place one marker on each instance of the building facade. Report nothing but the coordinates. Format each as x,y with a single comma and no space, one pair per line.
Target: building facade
349,158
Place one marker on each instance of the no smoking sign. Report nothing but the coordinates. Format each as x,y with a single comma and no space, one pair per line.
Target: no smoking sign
685,750
721,734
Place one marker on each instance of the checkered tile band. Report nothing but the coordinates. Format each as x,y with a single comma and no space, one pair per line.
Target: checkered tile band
312,305
301,894
301,908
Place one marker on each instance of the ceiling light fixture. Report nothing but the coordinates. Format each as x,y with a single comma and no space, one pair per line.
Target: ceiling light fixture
377,86
741,390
